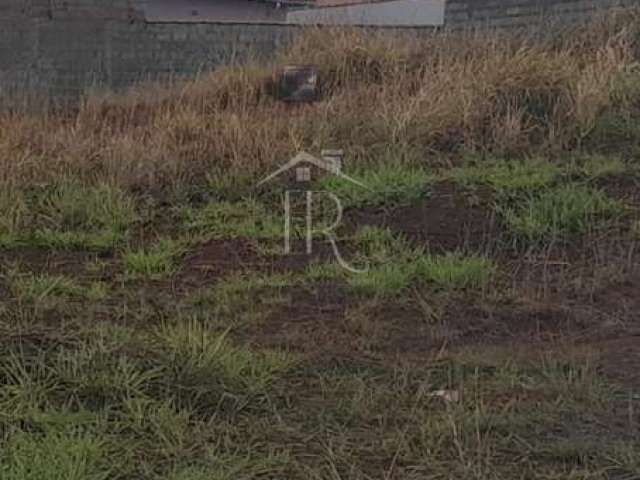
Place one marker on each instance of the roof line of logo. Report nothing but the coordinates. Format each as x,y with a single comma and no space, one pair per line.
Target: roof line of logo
320,163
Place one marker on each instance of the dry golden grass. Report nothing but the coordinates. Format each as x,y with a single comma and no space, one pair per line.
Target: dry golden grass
417,99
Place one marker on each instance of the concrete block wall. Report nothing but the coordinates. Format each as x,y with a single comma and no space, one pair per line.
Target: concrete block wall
17,47
56,49
517,13
142,51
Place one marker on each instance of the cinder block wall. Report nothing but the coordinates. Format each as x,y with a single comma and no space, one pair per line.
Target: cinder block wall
17,46
138,51
516,13
56,49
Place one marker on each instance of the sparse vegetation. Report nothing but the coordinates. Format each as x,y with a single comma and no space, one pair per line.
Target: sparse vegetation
41,289
154,328
560,212
385,185
456,271
599,166
393,266
55,455
67,216
450,271
509,177
231,220
155,262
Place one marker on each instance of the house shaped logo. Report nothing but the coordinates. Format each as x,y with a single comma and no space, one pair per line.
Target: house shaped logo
302,164
330,162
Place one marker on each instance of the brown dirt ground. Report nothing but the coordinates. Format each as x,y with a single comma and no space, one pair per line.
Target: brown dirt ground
447,219
551,300
44,261
558,297
217,259
625,188
326,325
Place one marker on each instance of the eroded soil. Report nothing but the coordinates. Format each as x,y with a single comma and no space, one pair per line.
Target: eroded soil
586,291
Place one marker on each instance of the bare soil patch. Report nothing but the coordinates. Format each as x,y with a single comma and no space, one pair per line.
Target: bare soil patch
620,360
329,323
72,264
216,259
329,320
625,188
313,321
447,219
45,261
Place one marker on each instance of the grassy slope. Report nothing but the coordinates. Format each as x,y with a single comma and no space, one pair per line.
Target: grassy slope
153,329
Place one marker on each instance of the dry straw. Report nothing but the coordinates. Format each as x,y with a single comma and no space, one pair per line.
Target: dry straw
411,98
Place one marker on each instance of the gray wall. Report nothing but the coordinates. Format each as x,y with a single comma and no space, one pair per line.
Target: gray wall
393,12
57,49
60,52
515,13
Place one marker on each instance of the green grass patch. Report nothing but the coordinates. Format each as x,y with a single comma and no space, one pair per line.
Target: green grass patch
508,177
78,216
391,183
394,267
451,271
560,212
390,266
97,373
13,216
245,219
155,262
385,280
456,271
201,359
602,166
615,130
68,216
104,242
39,289
56,456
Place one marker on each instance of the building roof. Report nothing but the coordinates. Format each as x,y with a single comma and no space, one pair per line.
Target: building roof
229,10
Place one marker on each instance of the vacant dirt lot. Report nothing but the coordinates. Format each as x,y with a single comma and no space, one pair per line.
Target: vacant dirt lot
154,327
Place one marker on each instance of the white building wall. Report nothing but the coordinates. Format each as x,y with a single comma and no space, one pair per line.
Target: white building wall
401,13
